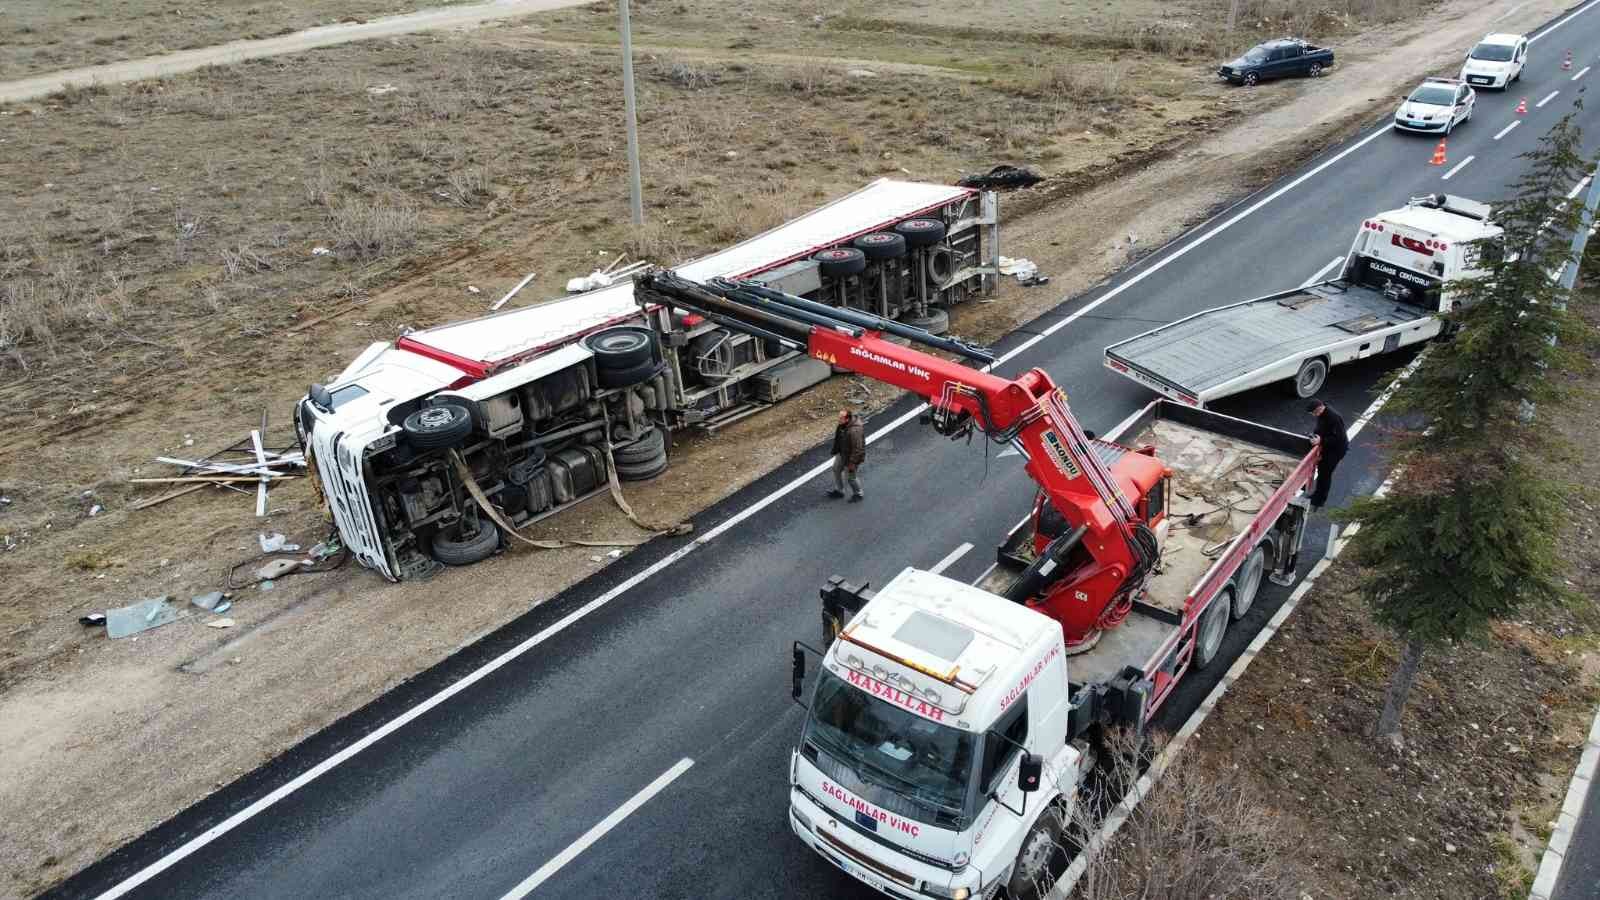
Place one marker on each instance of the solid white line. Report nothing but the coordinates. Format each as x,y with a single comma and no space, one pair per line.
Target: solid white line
1546,100
1591,5
1507,130
597,832
948,561
1581,72
1458,167
1322,272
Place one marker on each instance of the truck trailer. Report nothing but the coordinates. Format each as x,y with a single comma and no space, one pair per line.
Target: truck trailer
1392,292
546,404
950,724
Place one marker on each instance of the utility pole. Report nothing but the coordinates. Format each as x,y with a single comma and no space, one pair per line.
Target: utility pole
1233,14
636,201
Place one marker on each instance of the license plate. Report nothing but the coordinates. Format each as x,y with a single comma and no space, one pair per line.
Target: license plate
1481,80
862,874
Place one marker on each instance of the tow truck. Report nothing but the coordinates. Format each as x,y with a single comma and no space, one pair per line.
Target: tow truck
947,719
1393,291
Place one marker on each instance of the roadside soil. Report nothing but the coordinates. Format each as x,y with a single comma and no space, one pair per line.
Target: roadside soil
160,289
1492,733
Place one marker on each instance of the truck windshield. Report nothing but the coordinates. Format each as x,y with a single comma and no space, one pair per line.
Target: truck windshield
900,761
1492,52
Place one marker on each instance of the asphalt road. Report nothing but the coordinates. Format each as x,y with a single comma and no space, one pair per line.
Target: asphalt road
643,667
1580,875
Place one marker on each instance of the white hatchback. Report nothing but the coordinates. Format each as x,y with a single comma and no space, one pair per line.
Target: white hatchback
1496,61
1439,105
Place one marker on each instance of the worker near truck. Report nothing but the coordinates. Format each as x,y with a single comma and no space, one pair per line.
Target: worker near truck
1334,441
849,452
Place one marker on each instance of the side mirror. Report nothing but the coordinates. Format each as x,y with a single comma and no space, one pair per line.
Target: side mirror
1028,773
798,673
322,397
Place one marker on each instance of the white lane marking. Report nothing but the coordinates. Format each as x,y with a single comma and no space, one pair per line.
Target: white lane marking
1458,167
598,831
388,728
1507,130
1320,273
985,573
1591,5
1552,96
1581,72
949,560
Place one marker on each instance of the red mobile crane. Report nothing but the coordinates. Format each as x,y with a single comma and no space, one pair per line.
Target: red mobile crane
1094,544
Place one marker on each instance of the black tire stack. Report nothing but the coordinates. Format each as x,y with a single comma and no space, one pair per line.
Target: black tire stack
623,356
643,458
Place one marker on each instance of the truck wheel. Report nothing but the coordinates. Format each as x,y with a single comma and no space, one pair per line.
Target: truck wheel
1315,71
437,427
642,471
1248,582
620,348
1213,626
937,321
454,548
1309,380
840,262
621,378
921,232
651,445
1030,875
881,245
1250,79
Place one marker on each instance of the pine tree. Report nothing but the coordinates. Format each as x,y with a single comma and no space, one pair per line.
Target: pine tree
1468,532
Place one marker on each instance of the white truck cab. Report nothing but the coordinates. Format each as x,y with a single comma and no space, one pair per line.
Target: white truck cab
935,742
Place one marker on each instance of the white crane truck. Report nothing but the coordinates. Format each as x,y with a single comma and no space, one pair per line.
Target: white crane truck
1392,292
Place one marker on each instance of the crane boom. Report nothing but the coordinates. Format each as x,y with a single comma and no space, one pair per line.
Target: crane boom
1087,575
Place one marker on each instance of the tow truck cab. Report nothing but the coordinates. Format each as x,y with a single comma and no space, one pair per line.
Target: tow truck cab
1414,252
935,739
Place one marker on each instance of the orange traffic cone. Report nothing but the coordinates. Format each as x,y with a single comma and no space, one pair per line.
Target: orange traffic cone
1566,64
1522,108
1438,154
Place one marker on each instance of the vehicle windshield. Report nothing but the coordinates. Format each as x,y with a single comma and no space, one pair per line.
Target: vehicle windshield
1255,54
1434,95
1492,52
900,761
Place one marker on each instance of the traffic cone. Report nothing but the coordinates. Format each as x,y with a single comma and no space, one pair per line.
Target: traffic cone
1522,108
1438,154
1566,64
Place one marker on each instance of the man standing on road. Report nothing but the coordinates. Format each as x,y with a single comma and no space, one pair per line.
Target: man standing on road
849,452
1333,440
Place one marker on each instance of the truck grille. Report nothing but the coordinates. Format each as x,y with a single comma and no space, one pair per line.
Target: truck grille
861,859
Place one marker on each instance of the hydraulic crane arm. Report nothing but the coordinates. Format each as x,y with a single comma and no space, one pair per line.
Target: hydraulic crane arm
1087,577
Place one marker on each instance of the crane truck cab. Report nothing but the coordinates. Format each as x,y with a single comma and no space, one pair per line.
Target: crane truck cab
935,741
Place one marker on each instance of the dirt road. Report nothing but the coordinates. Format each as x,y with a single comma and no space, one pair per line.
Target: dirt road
309,39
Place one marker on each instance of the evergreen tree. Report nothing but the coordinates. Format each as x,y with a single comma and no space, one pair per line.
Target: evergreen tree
1468,532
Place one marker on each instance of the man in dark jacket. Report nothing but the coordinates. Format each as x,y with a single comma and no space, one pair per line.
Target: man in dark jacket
849,452
1331,437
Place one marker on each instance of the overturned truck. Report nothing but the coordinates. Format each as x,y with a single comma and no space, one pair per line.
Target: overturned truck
545,405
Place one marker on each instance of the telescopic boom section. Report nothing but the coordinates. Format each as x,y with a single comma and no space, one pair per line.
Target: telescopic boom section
1086,577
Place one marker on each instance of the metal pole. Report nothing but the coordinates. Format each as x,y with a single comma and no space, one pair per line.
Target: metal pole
636,201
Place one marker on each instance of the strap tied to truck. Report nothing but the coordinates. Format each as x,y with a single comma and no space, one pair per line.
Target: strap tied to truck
488,508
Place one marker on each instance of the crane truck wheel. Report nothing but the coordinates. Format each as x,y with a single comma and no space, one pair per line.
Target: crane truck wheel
454,547
1030,875
840,262
881,245
437,427
1310,378
921,232
1248,582
1213,626
937,321
620,348
627,377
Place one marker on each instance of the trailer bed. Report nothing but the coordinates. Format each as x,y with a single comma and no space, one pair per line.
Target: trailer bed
1203,353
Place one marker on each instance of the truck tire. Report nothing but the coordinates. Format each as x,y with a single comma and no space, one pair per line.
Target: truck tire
840,262
642,471
1030,874
621,378
1213,627
1315,71
1306,382
1247,583
921,232
437,427
937,321
881,245
453,548
649,447
624,347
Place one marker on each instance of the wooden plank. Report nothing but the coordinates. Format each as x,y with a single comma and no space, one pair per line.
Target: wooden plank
209,479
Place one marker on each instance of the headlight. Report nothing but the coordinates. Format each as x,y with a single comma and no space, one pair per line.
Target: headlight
959,893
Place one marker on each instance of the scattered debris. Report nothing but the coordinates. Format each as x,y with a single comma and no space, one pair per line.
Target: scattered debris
5,501
220,623
861,73
1024,269
216,602
278,568
473,289
321,251
600,278
615,554
520,285
275,542
92,620
95,510
378,90
266,585
1002,178
141,616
